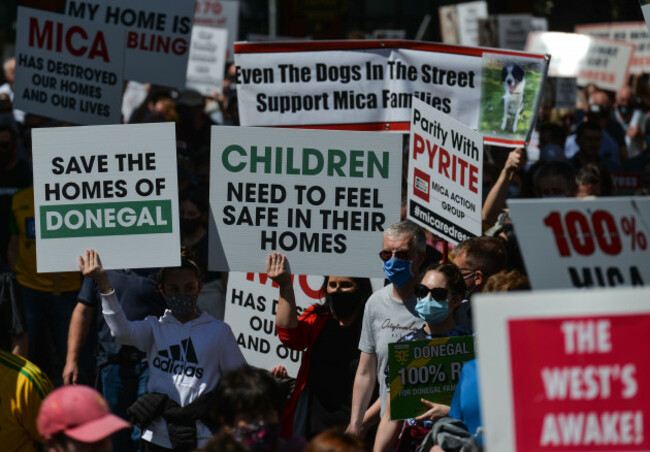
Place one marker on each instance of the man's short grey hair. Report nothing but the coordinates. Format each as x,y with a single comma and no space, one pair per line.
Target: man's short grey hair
407,227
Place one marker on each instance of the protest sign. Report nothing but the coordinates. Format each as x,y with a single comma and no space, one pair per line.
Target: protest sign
219,14
157,35
109,188
513,30
67,69
582,243
251,305
566,92
425,370
321,197
626,183
369,85
604,62
645,9
459,22
564,372
633,32
445,174
207,59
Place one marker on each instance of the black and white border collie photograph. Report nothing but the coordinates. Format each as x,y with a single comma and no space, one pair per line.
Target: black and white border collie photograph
513,79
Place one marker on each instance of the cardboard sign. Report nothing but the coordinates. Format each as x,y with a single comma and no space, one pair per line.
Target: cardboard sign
110,188
207,59
251,305
633,32
603,62
425,370
564,372
219,14
157,35
584,243
323,198
370,85
67,69
459,22
445,175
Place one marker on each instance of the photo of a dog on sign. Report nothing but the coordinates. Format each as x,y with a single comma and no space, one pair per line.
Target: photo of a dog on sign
514,82
510,90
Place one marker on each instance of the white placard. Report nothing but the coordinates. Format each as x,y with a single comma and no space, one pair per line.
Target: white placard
251,305
368,85
157,35
564,370
110,188
219,14
633,32
603,62
67,69
207,59
566,92
445,175
513,30
323,198
468,15
584,243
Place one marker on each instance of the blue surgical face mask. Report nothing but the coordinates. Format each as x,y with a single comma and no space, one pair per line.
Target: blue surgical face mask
432,311
398,271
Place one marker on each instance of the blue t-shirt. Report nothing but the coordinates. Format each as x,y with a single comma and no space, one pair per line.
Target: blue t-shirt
466,405
137,292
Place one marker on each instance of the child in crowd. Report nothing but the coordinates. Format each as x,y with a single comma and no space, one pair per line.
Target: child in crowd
187,354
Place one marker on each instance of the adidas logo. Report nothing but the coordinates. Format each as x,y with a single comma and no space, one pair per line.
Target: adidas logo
183,352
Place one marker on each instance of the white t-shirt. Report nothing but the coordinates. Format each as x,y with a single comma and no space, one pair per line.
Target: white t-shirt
386,320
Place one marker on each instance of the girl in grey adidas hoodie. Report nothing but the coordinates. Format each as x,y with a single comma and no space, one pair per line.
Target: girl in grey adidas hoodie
187,351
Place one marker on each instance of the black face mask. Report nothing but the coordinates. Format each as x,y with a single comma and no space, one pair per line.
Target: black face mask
343,304
190,225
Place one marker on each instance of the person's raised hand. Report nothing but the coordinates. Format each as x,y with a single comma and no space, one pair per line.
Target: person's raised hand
277,268
91,267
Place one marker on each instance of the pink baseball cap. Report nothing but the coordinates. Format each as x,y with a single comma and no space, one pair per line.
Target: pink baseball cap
79,412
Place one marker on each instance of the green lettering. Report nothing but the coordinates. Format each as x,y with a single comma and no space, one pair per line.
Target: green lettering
373,162
256,158
226,162
356,163
307,153
290,168
336,159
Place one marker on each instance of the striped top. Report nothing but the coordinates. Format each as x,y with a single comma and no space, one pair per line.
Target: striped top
23,386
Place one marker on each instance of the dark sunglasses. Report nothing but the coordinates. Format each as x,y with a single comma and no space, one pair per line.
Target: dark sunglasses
385,255
437,293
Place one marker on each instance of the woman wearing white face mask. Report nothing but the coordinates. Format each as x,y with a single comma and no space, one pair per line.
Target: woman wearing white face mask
439,293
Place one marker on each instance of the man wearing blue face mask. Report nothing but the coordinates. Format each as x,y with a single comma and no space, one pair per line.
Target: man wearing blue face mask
389,314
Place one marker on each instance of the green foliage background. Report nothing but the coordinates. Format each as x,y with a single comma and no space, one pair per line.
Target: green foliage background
492,104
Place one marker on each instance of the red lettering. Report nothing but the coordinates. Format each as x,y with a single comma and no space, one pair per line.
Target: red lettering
463,165
99,48
418,145
40,35
443,163
68,40
473,178
311,293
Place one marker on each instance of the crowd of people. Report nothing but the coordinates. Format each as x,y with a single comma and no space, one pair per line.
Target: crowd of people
153,342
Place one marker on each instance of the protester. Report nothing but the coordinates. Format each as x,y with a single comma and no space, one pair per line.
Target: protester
439,294
588,138
336,440
49,298
465,404
389,314
554,179
23,386
631,120
478,258
328,333
9,68
15,174
122,370
248,402
594,179
77,419
496,197
187,354
194,214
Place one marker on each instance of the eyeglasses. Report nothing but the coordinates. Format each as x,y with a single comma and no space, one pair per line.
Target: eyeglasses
437,293
385,255
465,269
